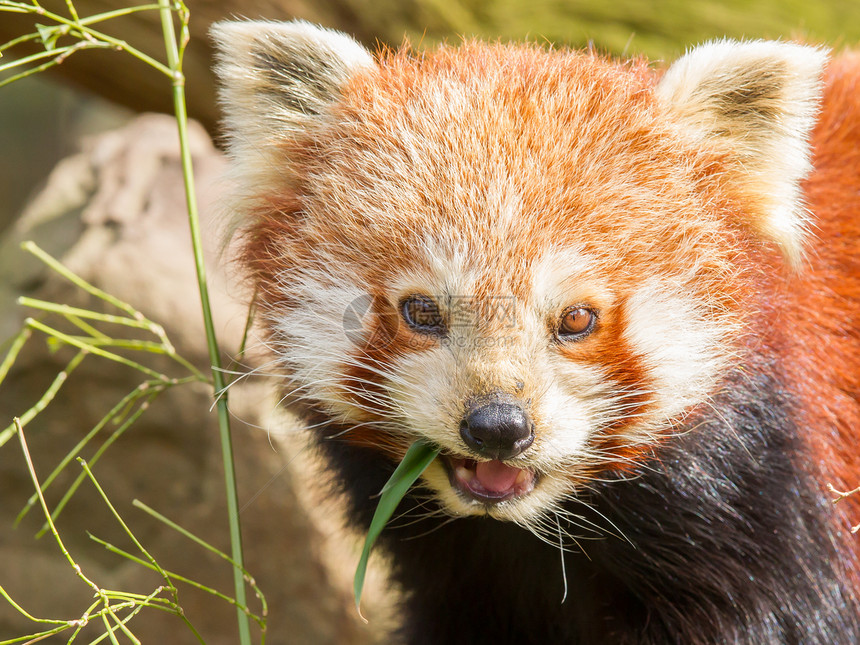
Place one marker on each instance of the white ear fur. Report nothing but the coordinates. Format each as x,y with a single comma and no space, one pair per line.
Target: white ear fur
757,101
276,79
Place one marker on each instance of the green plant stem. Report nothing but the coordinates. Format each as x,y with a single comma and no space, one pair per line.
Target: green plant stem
153,564
52,263
124,526
175,64
72,11
86,32
56,60
125,554
53,53
82,623
24,613
87,328
116,434
110,15
106,598
143,346
46,398
117,409
68,310
17,343
92,348
89,20
17,41
110,631
98,592
33,638
176,527
146,602
249,322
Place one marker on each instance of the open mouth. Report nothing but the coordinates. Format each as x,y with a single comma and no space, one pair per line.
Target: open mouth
489,482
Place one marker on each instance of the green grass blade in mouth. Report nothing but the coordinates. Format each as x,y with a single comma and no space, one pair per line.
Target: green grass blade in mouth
415,462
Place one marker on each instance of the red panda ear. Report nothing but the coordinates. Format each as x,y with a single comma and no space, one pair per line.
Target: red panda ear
757,102
277,78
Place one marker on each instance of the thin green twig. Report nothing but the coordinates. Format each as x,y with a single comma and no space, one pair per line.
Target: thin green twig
78,571
92,348
56,266
138,607
110,631
116,414
174,61
46,398
85,32
17,41
68,310
24,613
176,527
32,58
116,434
90,38
134,314
14,349
154,348
106,598
117,13
87,328
249,323
72,11
10,8
176,576
141,346
57,57
122,523
34,638
152,561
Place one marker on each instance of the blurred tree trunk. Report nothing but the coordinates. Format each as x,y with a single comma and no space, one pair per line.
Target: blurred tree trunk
135,85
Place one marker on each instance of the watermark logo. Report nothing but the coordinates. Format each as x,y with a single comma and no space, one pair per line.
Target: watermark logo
369,321
361,323
469,311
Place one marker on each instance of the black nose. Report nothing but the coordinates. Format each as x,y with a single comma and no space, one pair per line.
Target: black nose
497,427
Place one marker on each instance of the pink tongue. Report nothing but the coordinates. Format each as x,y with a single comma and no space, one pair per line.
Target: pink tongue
495,476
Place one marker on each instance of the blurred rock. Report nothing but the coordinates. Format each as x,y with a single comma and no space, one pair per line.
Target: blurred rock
115,215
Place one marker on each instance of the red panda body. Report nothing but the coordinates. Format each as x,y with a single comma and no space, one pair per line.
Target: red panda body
597,290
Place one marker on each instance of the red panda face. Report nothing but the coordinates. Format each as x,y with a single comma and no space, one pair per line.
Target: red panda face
532,260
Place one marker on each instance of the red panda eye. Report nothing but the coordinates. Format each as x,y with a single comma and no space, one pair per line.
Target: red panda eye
576,323
422,314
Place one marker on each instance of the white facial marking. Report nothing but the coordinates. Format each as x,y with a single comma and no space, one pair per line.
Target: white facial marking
562,277
679,346
572,405
312,338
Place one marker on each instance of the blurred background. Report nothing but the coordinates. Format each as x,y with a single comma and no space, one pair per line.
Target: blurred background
113,211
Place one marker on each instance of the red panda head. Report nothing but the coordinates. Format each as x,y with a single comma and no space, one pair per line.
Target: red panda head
539,261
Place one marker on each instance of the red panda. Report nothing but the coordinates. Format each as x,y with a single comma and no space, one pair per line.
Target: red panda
622,303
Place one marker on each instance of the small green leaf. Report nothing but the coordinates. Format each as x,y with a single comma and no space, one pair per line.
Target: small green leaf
49,35
415,462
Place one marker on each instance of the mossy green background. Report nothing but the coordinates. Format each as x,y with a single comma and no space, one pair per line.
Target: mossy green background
660,29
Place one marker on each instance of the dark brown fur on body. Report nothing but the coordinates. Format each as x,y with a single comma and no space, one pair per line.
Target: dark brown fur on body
681,443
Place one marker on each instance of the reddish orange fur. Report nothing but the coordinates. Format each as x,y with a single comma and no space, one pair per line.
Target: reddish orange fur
821,316
524,112
700,416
